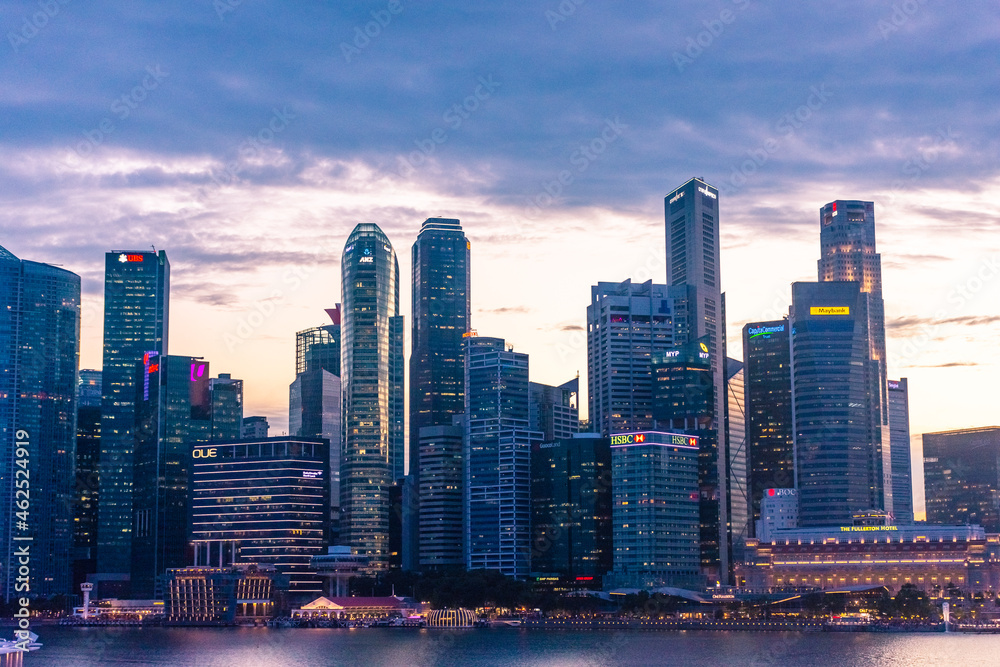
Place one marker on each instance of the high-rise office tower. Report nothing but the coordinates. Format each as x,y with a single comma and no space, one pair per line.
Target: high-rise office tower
136,311
553,410
85,494
962,477
227,407
441,312
372,368
315,401
571,506
655,511
173,409
497,458
899,448
770,437
628,324
441,497
847,252
693,257
39,356
837,458
739,469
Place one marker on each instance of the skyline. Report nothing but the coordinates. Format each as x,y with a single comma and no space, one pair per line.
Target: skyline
597,108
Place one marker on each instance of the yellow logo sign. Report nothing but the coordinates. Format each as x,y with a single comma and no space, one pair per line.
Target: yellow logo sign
704,348
830,310
205,453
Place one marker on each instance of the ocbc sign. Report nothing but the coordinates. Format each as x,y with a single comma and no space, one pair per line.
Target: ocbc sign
210,453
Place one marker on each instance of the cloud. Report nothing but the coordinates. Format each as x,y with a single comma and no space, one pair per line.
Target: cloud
914,324
507,310
953,364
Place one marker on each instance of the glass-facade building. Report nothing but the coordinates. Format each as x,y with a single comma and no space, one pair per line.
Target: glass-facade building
372,369
767,384
441,536
655,509
227,407
962,477
571,506
837,453
261,501
39,356
899,449
173,413
739,466
441,317
315,401
497,452
847,253
136,312
85,493
554,411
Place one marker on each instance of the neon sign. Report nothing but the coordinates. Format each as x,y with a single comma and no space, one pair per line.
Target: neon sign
771,493
125,259
830,310
707,193
653,438
197,370
866,529
676,197
312,474
366,260
210,453
765,331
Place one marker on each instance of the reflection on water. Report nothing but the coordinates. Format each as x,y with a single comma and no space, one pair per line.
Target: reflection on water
246,647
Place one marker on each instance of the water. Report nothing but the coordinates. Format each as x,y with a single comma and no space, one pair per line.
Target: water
248,647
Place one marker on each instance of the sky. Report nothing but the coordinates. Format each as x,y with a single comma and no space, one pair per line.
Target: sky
248,138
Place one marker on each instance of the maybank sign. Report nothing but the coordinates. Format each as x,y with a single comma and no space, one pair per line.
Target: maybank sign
830,310
654,438
866,529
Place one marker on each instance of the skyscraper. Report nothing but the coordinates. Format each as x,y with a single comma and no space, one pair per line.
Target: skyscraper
372,384
173,413
770,435
441,496
899,448
39,355
962,477
693,256
739,472
314,398
136,311
628,324
571,506
227,407
441,316
497,458
554,410
847,252
85,494
838,461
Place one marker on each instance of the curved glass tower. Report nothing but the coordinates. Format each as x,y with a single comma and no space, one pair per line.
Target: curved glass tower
371,367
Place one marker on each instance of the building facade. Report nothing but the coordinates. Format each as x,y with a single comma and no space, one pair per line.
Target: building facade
85,494
441,535
497,453
372,370
899,449
261,501
655,510
254,427
929,557
226,395
571,507
39,355
837,446
136,313
554,411
441,317
767,385
173,409
692,213
627,325
739,467
962,477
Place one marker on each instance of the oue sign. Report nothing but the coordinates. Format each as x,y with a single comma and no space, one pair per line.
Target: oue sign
205,453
